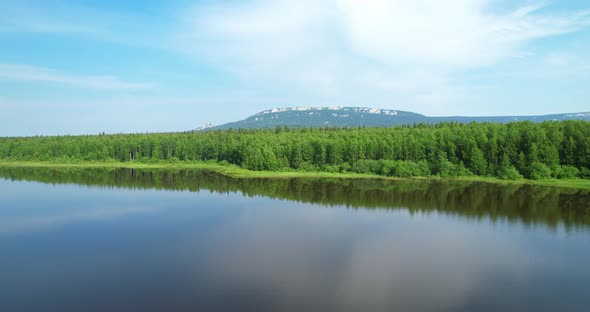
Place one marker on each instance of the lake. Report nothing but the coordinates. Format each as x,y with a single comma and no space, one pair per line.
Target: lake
155,240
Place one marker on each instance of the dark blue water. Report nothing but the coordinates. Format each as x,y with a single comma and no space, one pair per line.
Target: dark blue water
71,247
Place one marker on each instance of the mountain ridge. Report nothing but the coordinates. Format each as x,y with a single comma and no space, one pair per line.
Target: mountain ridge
352,116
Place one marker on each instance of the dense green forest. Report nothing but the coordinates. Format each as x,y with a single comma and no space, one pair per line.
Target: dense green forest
559,149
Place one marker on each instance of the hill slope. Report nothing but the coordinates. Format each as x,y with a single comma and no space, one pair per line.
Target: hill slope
368,117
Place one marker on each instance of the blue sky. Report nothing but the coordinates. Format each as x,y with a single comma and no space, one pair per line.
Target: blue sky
84,67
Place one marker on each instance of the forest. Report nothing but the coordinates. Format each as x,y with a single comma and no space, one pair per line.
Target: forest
552,149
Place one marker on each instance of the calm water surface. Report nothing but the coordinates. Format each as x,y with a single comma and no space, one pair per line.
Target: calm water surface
131,240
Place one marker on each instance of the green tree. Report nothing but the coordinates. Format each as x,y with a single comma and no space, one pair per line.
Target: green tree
478,163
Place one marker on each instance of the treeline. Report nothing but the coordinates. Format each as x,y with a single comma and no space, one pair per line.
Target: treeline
509,151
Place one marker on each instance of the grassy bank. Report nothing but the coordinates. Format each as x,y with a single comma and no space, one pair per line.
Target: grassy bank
237,172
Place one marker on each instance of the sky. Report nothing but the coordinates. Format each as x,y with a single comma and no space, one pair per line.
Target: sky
85,67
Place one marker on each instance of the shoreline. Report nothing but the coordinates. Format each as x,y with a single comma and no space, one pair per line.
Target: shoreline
234,171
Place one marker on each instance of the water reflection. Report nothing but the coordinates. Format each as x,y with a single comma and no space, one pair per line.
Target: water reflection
526,204
262,245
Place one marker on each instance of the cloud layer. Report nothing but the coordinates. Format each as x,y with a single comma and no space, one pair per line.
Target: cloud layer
464,33
20,72
218,61
338,47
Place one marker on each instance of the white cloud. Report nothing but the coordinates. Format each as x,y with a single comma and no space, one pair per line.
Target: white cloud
460,33
404,54
22,72
342,47
455,32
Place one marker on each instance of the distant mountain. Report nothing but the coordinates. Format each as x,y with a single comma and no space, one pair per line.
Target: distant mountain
364,116
203,127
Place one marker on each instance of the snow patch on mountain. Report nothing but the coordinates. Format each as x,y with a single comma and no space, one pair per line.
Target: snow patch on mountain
579,115
368,110
344,116
203,127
